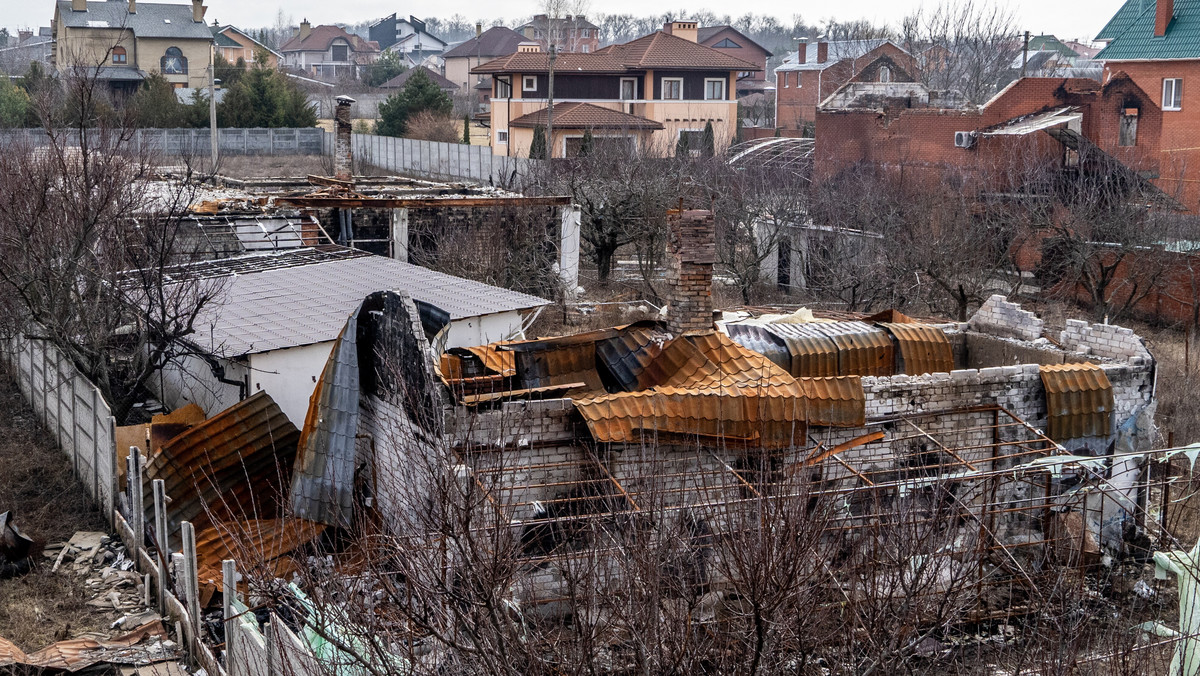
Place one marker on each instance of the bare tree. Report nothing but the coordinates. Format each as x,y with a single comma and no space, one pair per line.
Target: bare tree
86,239
964,45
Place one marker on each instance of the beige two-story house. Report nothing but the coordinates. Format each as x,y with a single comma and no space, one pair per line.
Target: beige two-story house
121,41
650,93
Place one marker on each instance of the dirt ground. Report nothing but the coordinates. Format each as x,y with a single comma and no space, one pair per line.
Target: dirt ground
37,485
272,166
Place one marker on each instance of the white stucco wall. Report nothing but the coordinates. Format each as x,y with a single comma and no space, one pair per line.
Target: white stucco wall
290,376
482,330
189,380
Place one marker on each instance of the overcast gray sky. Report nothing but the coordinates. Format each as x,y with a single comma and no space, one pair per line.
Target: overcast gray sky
1068,19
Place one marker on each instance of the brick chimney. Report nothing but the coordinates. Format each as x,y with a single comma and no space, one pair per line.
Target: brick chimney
691,253
133,6
78,5
682,29
343,148
1163,11
822,51
802,51
198,10
305,29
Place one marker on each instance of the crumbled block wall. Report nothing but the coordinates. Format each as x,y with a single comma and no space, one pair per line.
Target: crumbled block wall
1103,340
999,317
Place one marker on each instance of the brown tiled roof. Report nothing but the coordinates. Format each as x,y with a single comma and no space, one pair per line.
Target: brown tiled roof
495,41
402,79
320,37
578,115
661,50
539,62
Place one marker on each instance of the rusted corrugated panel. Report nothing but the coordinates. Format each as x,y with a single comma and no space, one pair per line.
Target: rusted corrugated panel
740,365
627,355
863,350
679,364
892,316
260,544
1079,400
494,359
923,348
756,338
813,354
558,365
80,653
838,401
738,415
236,463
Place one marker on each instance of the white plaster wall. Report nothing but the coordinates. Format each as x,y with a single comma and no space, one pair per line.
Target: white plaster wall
290,376
190,380
482,330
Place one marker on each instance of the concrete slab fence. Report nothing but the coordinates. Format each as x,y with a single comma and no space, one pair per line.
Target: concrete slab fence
439,161
231,141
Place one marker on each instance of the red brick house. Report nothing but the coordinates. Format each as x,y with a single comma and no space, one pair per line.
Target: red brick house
733,42
914,132
816,70
1157,44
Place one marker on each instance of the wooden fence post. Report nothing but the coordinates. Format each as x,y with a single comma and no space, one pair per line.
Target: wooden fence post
161,541
191,581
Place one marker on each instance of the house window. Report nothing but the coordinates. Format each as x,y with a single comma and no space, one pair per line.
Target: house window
174,62
727,44
1172,93
341,53
783,80
503,88
585,33
119,55
585,48
714,89
1127,134
885,74
501,136
672,89
691,142
529,83
628,88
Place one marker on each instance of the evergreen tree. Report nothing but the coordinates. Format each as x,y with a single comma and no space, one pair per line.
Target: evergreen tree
155,105
14,104
228,73
537,148
385,68
466,130
196,113
682,147
708,142
587,144
419,94
265,97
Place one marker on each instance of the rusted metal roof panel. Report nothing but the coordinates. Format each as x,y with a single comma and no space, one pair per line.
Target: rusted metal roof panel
838,402
1079,401
768,344
558,365
813,354
494,359
236,463
266,544
626,355
863,350
923,348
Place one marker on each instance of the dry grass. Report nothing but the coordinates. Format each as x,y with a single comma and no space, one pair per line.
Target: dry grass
49,505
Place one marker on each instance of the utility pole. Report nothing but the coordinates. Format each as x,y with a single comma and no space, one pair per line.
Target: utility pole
550,105
212,113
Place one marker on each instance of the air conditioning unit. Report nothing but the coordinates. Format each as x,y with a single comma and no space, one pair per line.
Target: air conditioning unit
964,139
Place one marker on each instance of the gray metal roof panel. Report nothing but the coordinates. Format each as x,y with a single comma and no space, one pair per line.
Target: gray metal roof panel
151,20
288,306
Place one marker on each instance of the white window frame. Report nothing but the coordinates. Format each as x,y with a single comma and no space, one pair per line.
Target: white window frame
621,90
782,76
502,137
695,152
525,80
585,49
724,88
885,74
662,86
1176,86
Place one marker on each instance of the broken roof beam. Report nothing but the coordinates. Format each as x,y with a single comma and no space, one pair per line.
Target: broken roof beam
326,202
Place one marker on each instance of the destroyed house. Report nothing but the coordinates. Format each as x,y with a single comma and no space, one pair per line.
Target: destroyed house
278,313
686,422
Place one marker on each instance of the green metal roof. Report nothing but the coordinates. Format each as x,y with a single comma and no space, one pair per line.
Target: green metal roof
1050,43
1131,32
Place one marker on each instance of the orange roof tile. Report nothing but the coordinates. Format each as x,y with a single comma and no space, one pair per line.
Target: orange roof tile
662,50
578,115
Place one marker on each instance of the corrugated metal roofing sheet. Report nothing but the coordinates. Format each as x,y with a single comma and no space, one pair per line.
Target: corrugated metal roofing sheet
259,543
762,341
923,348
813,354
1079,400
324,475
626,355
837,402
235,464
495,360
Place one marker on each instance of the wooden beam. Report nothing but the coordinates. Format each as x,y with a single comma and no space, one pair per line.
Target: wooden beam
819,455
325,202
329,182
